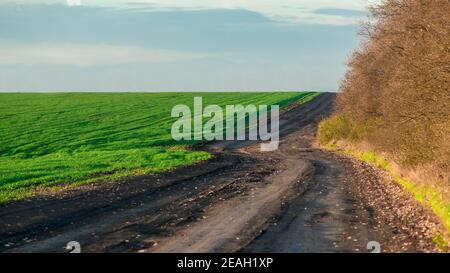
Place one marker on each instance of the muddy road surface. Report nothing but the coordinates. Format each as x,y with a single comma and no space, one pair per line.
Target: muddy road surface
299,198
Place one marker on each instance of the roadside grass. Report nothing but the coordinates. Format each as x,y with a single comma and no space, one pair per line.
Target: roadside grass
428,195
55,140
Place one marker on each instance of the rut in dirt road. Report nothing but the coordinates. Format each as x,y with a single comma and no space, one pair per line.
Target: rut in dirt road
322,219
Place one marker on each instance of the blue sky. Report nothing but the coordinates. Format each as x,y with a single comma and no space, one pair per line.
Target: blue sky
176,45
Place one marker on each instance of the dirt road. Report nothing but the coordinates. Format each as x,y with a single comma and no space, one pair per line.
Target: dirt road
299,198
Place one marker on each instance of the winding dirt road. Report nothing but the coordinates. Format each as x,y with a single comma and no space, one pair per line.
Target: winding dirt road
299,198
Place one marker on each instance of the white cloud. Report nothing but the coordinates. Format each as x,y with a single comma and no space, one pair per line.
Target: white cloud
301,11
74,2
88,55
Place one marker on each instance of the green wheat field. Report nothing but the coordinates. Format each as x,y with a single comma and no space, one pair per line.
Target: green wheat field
51,140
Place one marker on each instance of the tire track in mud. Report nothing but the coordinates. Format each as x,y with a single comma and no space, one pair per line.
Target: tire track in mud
323,218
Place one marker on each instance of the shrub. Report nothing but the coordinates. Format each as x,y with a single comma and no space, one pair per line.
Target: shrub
339,127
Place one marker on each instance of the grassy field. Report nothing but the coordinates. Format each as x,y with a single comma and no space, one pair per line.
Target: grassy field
55,139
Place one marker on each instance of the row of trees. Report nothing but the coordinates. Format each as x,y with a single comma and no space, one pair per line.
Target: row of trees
396,93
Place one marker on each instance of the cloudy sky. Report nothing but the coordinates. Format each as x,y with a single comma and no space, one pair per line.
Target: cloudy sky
176,45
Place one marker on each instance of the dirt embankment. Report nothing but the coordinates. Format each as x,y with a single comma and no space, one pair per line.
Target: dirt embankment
297,199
